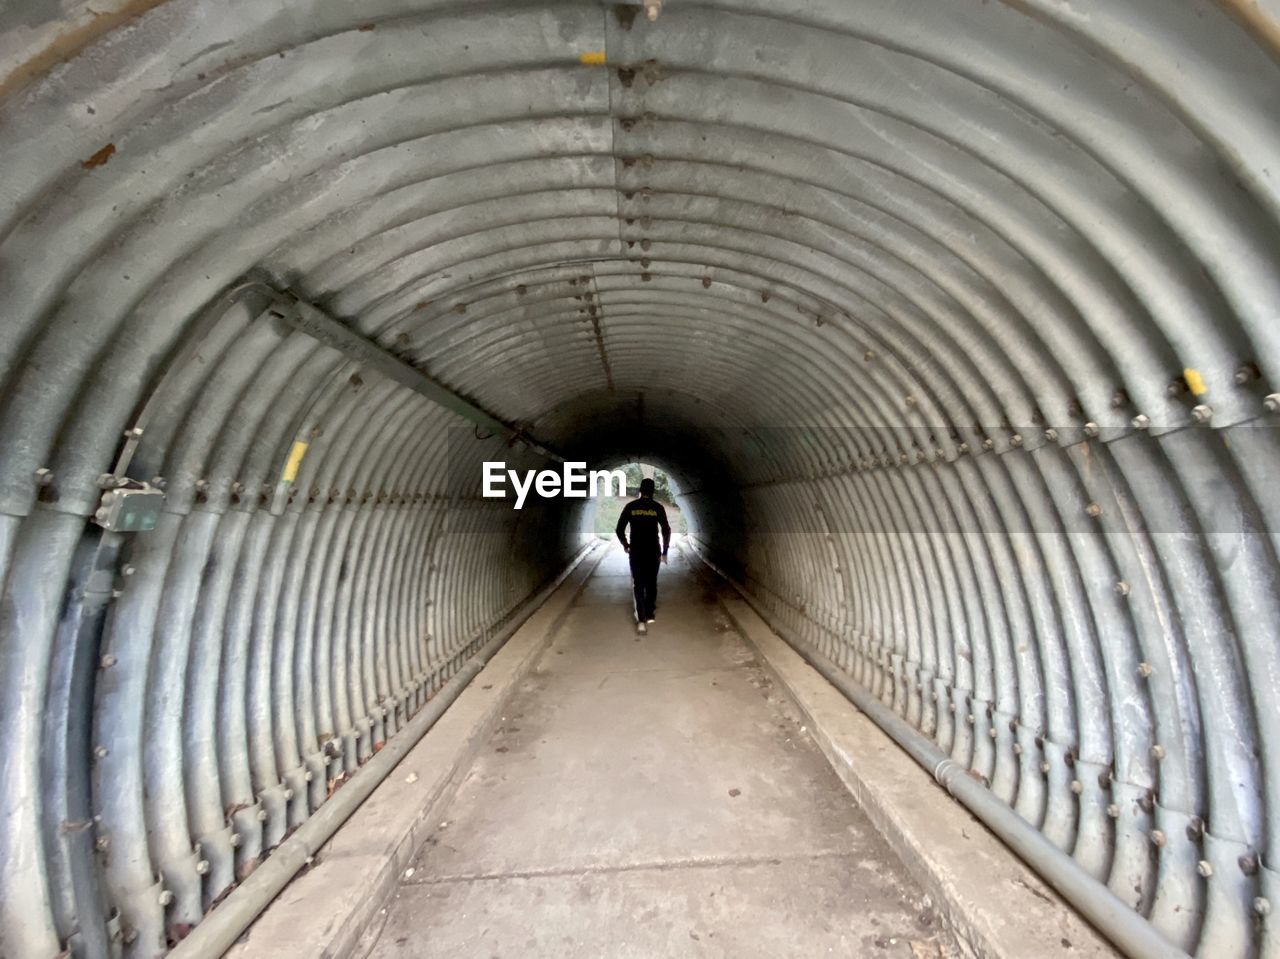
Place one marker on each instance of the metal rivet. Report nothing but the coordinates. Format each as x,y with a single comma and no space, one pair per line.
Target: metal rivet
44,476
100,752
1272,403
1017,749
103,843
1077,786
1113,811
262,815
1044,767
108,661
1122,588
1262,906
991,733
1016,439
988,444
1248,863
166,898
288,794
1051,435
1205,868
1145,670
1091,429
202,867
1093,509
236,840
1157,837
128,571
969,720
1202,413
1141,421
1157,752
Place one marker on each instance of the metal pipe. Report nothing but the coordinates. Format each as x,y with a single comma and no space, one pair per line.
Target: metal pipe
1127,930
222,927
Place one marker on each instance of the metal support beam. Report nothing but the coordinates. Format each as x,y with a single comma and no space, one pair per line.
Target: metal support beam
313,321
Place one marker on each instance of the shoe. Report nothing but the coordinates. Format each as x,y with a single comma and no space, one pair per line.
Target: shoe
641,628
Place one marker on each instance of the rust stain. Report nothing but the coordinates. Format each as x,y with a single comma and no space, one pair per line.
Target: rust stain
99,158
67,45
1259,22
366,27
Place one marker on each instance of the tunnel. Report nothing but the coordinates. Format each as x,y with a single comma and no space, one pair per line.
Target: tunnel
957,325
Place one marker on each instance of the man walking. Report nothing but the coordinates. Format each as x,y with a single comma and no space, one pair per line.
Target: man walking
645,516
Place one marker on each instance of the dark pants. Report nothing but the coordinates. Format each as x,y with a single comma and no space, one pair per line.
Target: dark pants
644,579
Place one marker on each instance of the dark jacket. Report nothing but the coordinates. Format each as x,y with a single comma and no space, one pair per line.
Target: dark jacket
645,516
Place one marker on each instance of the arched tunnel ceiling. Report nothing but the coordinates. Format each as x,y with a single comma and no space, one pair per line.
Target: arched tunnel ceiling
959,321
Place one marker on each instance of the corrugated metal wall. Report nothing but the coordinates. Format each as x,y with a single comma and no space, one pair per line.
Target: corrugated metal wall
958,322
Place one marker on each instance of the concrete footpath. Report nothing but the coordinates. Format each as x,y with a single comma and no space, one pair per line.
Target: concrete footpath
652,796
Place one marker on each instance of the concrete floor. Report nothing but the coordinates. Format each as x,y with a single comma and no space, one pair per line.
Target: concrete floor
654,796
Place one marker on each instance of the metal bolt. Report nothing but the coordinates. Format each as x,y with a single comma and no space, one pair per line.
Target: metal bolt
1016,439
1262,906
991,734
1017,749
133,434
1205,868
1202,413
128,571
236,840
988,444
103,843
108,661
1092,429
1122,588
308,775
1044,766
1051,435
100,752
1141,421
202,867
1272,403
262,815
1093,509
969,720
1145,670
1077,786
288,794
1157,838
166,898
159,482
1249,863
1113,811
44,476
962,448
106,481
1157,752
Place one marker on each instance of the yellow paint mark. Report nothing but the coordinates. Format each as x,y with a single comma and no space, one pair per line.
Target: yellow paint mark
1195,382
295,460
592,58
